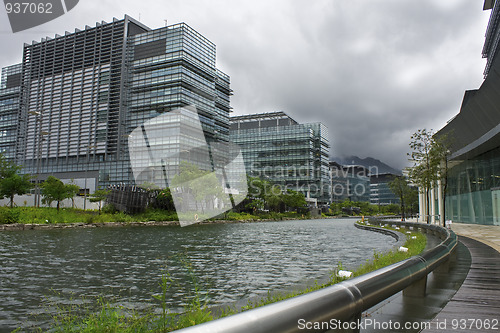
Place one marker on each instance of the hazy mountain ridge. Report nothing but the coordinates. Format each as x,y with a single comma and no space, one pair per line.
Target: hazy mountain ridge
368,162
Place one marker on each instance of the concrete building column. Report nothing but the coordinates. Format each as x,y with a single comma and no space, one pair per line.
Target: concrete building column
440,202
432,205
421,204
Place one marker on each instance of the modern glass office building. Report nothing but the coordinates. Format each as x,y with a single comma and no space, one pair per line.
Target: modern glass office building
380,191
83,93
473,182
349,182
292,155
9,109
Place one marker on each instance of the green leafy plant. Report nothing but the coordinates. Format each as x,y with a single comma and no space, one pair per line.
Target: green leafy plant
99,196
54,189
8,216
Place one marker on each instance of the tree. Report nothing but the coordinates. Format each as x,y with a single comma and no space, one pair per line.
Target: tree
273,198
294,199
441,152
14,184
54,189
411,201
399,186
203,186
258,188
261,189
7,168
163,200
11,183
429,156
425,170
72,191
99,196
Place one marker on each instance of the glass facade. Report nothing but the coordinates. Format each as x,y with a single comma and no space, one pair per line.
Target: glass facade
473,191
380,192
292,155
9,109
183,73
83,93
349,182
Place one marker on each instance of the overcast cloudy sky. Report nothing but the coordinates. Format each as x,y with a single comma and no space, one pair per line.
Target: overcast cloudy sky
373,71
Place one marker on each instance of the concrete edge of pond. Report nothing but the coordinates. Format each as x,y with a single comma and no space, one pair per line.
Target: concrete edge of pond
46,226
239,304
399,236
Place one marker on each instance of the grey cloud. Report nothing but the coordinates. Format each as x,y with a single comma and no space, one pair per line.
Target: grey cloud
372,71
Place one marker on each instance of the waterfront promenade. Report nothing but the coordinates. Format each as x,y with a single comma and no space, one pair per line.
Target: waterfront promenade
476,304
487,234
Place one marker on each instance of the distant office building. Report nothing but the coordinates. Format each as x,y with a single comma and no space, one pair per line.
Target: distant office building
338,182
380,191
473,183
278,148
349,182
9,109
83,93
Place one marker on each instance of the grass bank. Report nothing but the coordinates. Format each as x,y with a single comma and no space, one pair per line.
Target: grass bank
111,318
48,215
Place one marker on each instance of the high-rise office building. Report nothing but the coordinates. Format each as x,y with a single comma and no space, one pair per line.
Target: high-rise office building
380,191
473,178
277,148
349,182
83,93
9,109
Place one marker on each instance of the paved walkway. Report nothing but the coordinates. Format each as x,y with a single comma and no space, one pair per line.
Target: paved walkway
477,302
487,234
476,305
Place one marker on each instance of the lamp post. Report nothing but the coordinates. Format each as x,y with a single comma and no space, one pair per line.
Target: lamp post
40,136
38,167
86,172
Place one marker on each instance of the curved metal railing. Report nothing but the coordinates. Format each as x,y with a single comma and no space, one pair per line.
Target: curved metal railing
344,301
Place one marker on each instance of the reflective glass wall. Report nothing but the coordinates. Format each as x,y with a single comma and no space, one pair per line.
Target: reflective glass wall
473,193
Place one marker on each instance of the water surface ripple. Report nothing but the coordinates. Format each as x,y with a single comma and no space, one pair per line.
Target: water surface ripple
230,262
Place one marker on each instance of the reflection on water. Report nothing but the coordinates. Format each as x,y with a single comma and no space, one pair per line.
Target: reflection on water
231,261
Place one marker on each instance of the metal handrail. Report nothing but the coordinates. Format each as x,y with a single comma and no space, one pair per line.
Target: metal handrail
344,301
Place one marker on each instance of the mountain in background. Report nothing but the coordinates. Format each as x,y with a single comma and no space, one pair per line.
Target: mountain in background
369,162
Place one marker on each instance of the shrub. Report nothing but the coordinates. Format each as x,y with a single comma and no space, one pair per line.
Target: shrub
90,218
109,209
9,215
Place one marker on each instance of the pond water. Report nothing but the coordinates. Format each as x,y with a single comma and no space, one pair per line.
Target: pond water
125,264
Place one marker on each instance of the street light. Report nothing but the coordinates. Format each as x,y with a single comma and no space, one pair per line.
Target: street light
41,134
86,172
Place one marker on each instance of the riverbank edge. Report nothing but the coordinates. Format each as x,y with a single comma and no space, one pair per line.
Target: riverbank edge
309,284
198,313
46,226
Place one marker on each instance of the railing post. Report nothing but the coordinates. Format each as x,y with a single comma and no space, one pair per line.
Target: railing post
417,289
443,268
